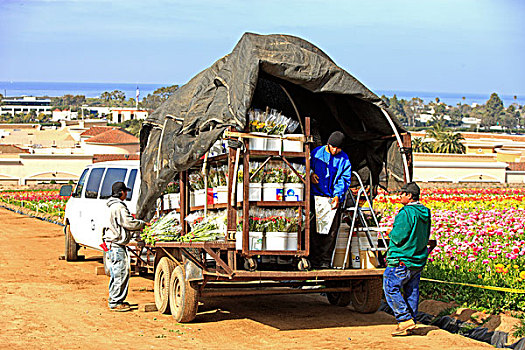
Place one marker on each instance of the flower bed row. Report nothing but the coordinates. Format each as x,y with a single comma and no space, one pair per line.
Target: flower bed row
38,201
480,240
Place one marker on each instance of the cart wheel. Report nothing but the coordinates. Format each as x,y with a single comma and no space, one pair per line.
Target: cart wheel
105,262
366,295
339,298
161,285
183,296
250,264
72,247
303,264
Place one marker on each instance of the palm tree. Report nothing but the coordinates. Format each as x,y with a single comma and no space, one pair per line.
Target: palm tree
420,146
450,142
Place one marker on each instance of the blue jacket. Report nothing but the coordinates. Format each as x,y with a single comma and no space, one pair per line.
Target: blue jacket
334,173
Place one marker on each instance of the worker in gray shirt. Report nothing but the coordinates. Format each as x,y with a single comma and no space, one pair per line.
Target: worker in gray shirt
116,236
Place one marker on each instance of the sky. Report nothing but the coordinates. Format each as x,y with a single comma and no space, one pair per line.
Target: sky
456,46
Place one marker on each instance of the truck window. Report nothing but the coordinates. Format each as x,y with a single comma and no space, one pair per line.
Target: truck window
93,183
131,183
112,175
80,184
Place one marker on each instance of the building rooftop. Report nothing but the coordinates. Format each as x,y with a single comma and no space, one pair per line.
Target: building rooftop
96,130
113,136
12,149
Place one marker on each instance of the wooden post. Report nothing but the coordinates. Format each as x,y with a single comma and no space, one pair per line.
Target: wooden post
184,200
307,187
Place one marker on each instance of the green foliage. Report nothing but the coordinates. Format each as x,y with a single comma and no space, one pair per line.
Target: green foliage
519,329
153,101
420,146
132,126
445,141
68,101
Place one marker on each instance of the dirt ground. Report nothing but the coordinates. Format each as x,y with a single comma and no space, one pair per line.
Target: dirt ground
47,303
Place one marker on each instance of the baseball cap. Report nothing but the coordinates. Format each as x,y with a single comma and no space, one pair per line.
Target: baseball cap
411,188
119,186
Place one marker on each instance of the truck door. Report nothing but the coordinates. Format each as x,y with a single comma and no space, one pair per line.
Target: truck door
91,208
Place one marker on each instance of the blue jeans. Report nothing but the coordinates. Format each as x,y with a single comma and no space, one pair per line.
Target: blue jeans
401,286
119,272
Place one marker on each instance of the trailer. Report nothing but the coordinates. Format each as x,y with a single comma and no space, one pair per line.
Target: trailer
296,78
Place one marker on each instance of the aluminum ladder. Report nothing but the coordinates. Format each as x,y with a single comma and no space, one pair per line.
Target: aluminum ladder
359,222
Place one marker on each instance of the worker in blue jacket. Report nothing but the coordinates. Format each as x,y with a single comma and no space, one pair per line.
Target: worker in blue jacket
331,174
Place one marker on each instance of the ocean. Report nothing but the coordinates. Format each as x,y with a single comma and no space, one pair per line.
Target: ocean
52,89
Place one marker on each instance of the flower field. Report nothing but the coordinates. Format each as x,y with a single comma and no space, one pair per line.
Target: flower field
40,201
480,240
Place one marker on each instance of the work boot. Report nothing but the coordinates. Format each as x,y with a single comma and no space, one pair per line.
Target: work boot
120,308
403,328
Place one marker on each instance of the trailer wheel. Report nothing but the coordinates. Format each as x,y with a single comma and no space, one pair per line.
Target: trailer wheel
366,295
183,297
106,263
71,251
339,298
163,273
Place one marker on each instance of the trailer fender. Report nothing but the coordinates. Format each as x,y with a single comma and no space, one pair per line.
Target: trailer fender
193,272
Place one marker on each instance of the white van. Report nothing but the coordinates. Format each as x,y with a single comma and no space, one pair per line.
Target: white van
86,211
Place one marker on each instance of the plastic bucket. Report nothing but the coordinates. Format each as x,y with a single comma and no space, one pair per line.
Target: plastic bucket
222,194
293,146
272,192
259,143
273,144
291,243
276,240
200,198
255,239
293,192
255,191
340,248
354,252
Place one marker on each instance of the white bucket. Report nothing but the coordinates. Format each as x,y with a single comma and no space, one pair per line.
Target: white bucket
200,198
255,239
175,200
273,191
222,194
276,240
257,144
293,192
273,144
255,191
291,243
293,146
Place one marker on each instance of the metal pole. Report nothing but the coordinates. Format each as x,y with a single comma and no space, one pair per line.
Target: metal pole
399,142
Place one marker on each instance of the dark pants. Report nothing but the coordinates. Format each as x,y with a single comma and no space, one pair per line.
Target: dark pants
322,246
401,286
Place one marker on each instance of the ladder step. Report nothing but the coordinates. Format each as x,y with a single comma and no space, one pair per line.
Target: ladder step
372,228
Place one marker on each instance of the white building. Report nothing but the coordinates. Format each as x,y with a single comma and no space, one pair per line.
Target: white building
119,115
66,114
25,104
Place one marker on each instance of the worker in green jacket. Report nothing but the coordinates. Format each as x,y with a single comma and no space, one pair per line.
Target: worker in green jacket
406,257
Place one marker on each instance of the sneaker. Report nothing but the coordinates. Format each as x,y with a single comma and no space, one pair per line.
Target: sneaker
403,328
129,304
120,308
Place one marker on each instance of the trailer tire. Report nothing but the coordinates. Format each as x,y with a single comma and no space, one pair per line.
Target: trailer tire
339,298
163,273
183,297
71,251
366,295
105,261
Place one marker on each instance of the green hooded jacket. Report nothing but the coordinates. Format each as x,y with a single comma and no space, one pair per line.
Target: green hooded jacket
409,236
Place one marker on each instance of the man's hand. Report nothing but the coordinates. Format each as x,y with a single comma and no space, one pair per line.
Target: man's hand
335,202
314,178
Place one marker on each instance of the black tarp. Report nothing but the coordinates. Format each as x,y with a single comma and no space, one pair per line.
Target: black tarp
256,74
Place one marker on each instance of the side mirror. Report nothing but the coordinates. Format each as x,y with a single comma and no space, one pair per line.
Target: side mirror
66,190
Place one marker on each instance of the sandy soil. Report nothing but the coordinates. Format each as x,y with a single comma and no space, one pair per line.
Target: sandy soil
47,303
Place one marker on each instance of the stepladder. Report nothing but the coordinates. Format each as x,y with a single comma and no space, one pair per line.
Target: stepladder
365,237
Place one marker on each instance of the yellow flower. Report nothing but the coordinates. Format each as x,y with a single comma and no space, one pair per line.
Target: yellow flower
516,267
522,274
479,276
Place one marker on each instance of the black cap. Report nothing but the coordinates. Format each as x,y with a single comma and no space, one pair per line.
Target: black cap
118,187
411,188
336,139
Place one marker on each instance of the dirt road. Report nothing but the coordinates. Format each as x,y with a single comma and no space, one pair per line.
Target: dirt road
47,303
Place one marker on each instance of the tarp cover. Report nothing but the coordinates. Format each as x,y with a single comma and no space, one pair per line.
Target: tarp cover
266,71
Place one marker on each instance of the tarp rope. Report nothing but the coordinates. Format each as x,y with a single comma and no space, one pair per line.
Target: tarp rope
499,289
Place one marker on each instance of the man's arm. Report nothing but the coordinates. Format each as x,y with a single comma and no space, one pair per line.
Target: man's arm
401,230
343,182
128,221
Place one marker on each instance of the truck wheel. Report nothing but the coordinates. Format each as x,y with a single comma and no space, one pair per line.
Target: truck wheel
339,298
183,296
72,247
105,261
161,286
366,295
